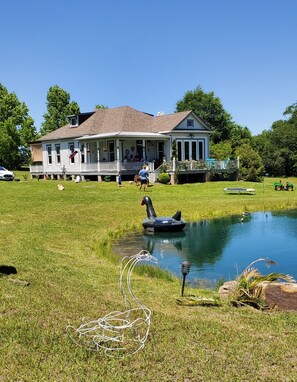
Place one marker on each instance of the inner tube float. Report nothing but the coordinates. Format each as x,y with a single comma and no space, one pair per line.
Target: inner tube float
161,224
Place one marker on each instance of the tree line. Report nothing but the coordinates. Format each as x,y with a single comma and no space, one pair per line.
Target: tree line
274,151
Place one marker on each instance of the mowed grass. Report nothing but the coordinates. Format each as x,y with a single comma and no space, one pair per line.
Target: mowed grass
60,242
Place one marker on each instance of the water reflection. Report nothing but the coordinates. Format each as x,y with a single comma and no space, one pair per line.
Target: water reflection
164,240
222,248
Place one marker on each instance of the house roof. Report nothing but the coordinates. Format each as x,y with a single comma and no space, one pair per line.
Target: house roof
118,120
167,122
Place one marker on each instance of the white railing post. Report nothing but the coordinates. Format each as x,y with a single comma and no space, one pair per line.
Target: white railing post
98,157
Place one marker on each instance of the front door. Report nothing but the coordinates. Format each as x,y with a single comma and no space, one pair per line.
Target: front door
111,153
160,153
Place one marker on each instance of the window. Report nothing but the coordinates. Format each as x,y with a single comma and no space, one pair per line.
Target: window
179,150
194,150
73,121
190,150
160,150
139,149
82,151
58,153
111,151
201,149
187,150
49,154
190,122
71,153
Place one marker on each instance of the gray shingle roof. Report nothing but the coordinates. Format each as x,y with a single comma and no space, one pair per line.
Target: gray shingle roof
167,122
119,119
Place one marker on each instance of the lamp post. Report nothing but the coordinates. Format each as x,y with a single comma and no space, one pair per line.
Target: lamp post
185,269
266,175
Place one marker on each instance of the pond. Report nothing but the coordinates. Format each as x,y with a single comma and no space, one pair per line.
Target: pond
223,248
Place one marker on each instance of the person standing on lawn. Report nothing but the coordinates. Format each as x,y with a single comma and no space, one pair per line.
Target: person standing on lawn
143,173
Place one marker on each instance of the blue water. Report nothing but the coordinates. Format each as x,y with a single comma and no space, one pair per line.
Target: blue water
223,248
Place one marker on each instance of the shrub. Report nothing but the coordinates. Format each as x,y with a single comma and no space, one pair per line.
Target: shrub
164,178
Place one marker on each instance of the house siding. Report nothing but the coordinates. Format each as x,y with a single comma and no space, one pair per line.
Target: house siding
55,167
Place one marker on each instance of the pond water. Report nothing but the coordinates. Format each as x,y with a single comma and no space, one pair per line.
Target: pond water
223,248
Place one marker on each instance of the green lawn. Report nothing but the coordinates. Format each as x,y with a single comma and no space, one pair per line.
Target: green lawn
60,243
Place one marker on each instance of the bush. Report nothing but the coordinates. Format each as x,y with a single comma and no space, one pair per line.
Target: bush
164,178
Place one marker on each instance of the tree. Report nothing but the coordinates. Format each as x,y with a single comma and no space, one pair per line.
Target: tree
101,107
239,135
210,109
58,108
17,130
291,111
221,151
251,167
278,146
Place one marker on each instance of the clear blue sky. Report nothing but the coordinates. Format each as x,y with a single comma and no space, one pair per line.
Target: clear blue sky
147,53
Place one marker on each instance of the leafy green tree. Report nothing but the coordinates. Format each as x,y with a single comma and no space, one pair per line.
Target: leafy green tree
210,109
262,144
278,146
251,167
58,108
101,107
291,111
17,130
239,135
221,151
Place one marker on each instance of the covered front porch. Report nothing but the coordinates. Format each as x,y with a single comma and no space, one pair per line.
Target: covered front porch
97,157
123,147
202,169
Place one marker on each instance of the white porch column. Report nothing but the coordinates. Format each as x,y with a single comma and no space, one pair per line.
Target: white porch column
118,155
117,149
98,156
143,149
98,152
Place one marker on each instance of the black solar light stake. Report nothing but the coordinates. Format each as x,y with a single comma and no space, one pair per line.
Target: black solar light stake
185,269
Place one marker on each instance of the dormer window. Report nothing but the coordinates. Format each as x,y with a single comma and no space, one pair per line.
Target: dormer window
73,120
190,122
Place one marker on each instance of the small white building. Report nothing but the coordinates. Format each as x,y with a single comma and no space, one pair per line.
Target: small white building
109,142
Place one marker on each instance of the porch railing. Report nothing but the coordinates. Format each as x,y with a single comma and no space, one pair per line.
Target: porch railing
167,166
94,167
201,165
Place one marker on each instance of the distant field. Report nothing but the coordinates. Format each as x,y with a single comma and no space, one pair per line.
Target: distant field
59,242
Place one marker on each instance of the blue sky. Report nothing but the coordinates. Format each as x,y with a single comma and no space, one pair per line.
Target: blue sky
147,53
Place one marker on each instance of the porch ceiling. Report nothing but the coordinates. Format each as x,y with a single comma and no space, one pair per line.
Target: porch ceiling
123,134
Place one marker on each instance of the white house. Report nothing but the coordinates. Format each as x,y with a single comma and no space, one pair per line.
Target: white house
109,142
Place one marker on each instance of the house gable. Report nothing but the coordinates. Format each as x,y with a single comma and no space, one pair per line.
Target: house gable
181,121
192,123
